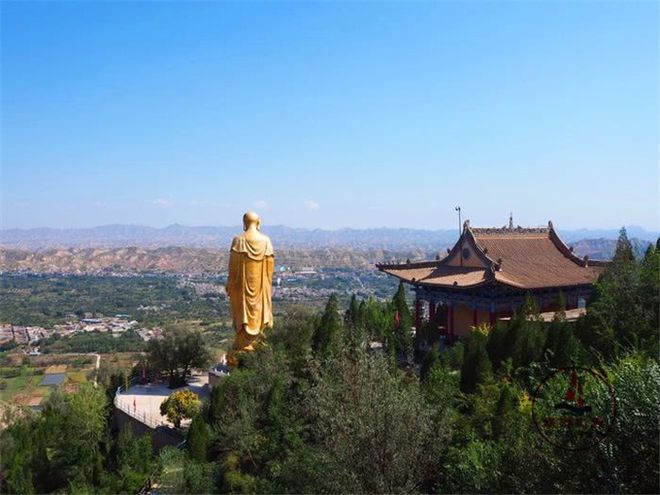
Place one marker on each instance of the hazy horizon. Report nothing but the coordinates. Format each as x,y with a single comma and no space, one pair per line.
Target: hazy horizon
330,229
267,225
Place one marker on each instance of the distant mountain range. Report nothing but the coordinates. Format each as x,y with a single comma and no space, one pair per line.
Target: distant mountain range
183,260
112,236
204,250
209,261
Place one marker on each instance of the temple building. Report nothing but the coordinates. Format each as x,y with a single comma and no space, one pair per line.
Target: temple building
488,274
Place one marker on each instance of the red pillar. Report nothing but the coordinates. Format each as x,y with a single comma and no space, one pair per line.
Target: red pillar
493,317
475,319
418,313
432,308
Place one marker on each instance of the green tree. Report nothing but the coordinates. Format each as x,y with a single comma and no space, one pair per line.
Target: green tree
77,458
474,468
197,439
180,405
630,452
179,351
134,459
505,412
496,345
353,325
649,291
624,251
328,336
476,367
622,314
567,348
402,322
18,450
431,359
352,316
373,431
295,333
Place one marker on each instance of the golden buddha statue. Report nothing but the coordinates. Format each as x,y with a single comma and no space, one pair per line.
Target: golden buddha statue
250,286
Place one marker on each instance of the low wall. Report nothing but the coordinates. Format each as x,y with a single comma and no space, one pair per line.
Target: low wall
161,436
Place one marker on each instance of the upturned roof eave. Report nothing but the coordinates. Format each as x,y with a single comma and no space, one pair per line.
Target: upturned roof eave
493,280
413,281
491,267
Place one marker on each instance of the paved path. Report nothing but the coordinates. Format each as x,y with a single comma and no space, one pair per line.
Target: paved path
143,401
97,366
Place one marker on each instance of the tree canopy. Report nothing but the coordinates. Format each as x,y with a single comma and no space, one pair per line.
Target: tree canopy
177,353
320,409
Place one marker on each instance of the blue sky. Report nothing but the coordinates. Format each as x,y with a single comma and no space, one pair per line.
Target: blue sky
329,115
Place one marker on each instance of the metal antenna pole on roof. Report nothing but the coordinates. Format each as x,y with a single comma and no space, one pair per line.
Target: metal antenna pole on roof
460,224
458,209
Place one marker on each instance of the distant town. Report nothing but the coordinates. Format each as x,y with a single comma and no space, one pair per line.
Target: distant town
31,335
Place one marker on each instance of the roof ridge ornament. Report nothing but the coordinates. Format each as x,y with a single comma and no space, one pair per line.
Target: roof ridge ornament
511,221
466,225
506,230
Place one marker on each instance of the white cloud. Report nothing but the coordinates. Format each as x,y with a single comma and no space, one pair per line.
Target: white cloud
99,204
261,204
21,204
311,204
162,202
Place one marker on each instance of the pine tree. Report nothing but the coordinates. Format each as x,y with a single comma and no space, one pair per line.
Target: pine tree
495,345
616,317
352,316
649,296
560,314
430,361
402,322
526,336
553,332
552,340
624,250
197,440
399,303
504,412
567,347
353,325
509,336
476,368
327,338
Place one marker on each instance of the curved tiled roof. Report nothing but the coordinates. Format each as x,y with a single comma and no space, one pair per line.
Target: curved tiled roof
526,258
436,273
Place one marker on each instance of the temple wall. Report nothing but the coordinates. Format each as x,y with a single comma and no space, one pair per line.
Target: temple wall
462,320
483,317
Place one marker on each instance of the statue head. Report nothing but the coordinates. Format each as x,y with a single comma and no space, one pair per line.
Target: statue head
251,218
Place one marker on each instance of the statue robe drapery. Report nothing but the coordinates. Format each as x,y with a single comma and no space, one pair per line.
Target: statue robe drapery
249,285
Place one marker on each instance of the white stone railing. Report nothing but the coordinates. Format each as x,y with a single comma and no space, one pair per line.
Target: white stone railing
150,420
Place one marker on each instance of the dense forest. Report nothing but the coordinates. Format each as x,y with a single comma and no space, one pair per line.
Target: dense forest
320,410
